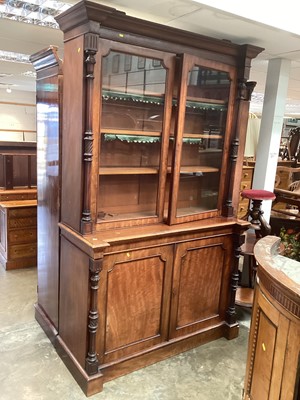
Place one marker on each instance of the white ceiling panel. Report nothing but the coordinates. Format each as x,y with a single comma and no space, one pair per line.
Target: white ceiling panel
183,14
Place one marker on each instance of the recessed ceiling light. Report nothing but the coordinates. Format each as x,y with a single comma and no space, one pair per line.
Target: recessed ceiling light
14,57
29,74
37,12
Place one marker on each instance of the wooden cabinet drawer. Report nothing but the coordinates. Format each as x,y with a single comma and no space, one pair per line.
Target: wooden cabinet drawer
22,236
12,196
22,251
23,212
242,211
21,222
246,185
32,196
247,176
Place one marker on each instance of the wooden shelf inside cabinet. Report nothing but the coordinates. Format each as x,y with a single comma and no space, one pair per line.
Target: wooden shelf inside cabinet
128,171
151,170
191,102
195,169
201,136
186,136
127,132
211,104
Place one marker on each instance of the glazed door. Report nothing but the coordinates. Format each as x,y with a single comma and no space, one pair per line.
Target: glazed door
203,121
136,96
200,289
134,302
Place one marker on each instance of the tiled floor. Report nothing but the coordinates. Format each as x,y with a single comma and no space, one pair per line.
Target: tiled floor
30,369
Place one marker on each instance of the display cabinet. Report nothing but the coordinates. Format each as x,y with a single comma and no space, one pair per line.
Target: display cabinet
153,124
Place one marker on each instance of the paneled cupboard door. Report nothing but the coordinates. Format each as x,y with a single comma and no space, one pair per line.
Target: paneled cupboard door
203,105
200,289
134,301
136,86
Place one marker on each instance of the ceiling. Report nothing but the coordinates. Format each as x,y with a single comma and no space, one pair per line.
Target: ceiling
184,14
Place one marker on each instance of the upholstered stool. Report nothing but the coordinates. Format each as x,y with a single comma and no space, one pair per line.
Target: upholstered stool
256,197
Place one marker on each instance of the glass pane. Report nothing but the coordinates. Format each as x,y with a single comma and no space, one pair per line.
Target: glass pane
204,130
133,92
128,176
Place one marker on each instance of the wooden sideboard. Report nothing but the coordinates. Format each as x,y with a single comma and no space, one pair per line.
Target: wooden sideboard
273,369
18,234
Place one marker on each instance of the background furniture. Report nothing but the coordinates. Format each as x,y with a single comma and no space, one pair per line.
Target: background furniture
18,193
247,278
255,212
259,228
18,171
18,235
246,183
147,198
274,347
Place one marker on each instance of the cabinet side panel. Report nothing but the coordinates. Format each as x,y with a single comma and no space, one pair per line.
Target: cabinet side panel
291,373
73,127
48,149
262,369
74,298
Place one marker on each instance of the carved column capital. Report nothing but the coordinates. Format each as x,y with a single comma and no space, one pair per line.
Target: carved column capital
245,89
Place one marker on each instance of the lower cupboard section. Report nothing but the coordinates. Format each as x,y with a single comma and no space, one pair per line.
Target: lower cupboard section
136,306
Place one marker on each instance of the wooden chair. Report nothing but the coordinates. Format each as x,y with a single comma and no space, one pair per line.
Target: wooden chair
291,150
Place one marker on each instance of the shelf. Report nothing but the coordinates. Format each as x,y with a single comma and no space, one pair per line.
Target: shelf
129,132
202,136
153,170
127,171
205,100
198,169
196,103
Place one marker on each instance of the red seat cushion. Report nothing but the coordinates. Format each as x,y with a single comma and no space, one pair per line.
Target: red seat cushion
254,194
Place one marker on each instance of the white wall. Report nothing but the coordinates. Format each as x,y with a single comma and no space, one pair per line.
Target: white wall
17,116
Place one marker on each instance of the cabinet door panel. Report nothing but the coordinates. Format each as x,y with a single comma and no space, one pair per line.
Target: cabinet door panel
200,285
137,297
202,131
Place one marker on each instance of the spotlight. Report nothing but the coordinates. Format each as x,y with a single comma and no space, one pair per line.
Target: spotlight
8,90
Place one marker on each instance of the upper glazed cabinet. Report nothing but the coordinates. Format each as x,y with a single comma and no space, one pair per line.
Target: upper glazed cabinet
164,124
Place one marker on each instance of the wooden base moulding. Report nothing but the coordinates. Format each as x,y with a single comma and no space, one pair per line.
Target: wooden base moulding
92,384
